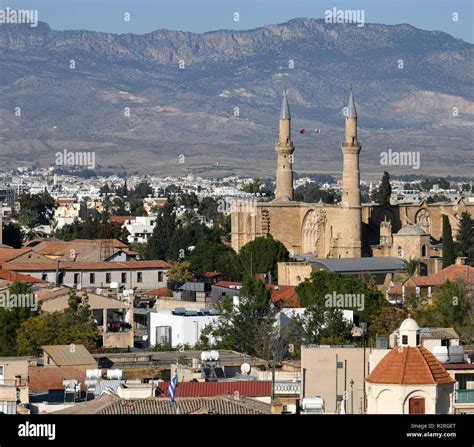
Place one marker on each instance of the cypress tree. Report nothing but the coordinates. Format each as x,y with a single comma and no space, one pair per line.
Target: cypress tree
385,190
465,237
448,245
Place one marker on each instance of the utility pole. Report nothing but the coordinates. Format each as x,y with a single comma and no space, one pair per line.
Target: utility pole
337,370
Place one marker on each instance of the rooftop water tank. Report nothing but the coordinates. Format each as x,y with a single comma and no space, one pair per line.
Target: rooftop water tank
456,354
441,353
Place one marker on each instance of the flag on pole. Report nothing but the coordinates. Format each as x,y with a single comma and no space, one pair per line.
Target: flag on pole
173,384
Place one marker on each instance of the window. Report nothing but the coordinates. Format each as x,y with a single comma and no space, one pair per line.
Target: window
44,276
92,278
139,277
76,278
108,278
124,277
160,276
404,339
423,251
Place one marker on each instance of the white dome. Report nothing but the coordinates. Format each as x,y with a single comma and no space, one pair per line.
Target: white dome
409,325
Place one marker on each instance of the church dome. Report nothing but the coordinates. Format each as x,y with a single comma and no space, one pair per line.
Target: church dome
409,325
411,230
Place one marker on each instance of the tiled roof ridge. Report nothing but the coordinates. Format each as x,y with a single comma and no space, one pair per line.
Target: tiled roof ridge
421,350
405,363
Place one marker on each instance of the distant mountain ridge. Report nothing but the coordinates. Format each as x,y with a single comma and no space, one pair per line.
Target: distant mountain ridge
214,97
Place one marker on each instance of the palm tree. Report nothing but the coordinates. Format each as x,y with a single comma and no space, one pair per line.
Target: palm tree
412,266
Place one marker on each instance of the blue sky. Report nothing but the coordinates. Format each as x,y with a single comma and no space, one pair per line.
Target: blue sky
209,15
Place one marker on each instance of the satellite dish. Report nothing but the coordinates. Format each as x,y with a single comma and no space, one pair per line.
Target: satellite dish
214,355
245,368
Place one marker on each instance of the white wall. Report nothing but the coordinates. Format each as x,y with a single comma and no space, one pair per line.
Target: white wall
184,330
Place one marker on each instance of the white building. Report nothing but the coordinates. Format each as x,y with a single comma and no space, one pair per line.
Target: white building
177,328
409,379
141,229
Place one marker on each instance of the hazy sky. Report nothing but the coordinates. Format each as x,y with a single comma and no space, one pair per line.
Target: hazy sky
208,15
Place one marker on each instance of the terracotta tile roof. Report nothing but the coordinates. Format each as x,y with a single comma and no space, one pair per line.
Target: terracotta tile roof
121,219
110,404
63,265
409,366
452,273
210,274
250,388
162,291
13,276
115,243
7,254
286,294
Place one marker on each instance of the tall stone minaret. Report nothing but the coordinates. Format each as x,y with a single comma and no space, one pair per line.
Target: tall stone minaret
284,149
351,244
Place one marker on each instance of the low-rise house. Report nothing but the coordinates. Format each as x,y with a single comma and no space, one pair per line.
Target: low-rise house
431,337
113,317
427,285
14,386
463,373
139,275
179,327
141,229
61,362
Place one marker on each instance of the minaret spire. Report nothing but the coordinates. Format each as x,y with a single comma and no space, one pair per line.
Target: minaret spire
284,149
285,108
350,198
352,113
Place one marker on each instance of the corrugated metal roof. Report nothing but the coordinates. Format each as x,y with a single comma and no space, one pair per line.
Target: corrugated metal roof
64,355
103,385
249,388
356,265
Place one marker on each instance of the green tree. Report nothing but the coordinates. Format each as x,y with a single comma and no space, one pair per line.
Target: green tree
261,256
384,190
449,307
315,290
165,226
240,327
36,208
180,271
214,257
11,318
465,237
412,266
12,235
72,326
448,245
387,320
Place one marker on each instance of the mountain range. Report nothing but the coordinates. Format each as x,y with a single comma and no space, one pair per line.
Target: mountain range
171,102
